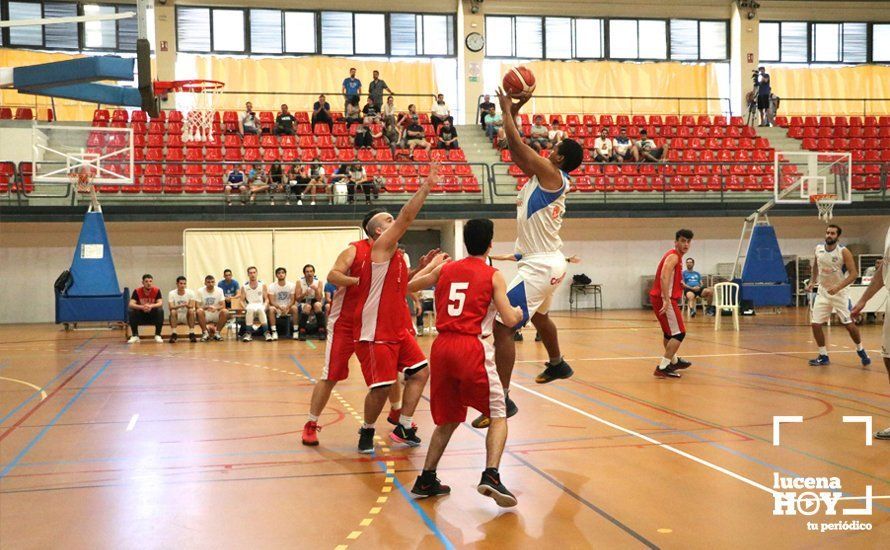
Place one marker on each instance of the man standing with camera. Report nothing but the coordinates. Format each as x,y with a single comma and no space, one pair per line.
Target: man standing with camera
761,82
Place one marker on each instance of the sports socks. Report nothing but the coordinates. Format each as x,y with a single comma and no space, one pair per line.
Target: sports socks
823,350
664,363
556,360
674,360
396,406
313,418
859,347
406,421
366,426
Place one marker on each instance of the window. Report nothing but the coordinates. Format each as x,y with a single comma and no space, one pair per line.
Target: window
61,35
623,39
299,32
588,38
128,29
684,39
336,33
558,32
785,42
370,33
193,29
653,39
698,40
228,30
99,34
769,41
403,33
827,42
855,47
27,35
265,31
530,34
438,35
637,39
712,40
881,45
499,36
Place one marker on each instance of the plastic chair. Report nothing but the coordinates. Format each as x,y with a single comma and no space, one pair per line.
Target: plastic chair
726,297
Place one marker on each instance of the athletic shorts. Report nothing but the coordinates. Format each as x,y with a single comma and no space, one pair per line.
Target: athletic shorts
282,309
180,315
695,292
538,277
824,304
340,347
885,341
463,374
671,320
383,361
762,102
211,316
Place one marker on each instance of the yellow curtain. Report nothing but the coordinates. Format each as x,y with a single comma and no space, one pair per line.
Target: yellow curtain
833,90
298,81
611,78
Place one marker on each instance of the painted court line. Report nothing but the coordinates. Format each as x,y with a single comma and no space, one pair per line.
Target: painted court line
132,423
35,394
30,385
641,357
670,448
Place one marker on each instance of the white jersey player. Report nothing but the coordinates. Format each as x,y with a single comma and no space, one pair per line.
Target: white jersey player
211,308
881,279
253,294
540,208
833,270
181,302
282,296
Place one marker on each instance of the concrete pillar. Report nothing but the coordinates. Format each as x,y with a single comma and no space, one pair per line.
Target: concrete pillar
470,62
165,46
744,55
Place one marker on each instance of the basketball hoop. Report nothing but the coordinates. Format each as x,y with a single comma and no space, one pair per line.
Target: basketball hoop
81,178
825,203
199,120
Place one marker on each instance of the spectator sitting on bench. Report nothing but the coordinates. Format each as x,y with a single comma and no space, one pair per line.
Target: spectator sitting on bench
311,295
623,147
146,308
692,286
282,297
647,149
284,122
321,113
181,302
236,182
539,136
253,295
329,290
211,308
602,147
259,183
229,286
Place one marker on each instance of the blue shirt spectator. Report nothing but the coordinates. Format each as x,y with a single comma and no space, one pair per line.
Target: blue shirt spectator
229,286
692,278
352,87
329,288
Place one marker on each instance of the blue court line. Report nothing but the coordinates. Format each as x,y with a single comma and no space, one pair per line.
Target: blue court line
3,367
420,512
302,368
55,419
85,342
36,393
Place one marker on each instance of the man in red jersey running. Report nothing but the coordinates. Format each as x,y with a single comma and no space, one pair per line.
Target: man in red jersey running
463,374
665,296
384,341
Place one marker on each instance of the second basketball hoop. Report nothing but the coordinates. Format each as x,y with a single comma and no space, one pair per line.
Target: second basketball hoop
199,120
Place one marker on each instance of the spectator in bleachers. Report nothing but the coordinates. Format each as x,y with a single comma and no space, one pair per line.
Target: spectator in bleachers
321,113
556,134
340,179
360,181
484,109
773,110
647,151
692,286
371,111
391,134
146,308
277,179
440,112
405,119
624,148
181,303
310,308
258,181
229,286
414,136
236,182
363,137
493,122
539,136
317,183
388,111
764,89
353,114
249,120
284,122
376,89
447,136
282,300
352,89
603,147
297,180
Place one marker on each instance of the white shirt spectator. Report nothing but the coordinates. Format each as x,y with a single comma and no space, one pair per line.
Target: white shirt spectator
248,121
556,135
177,299
603,146
211,298
358,175
441,111
645,144
622,145
282,295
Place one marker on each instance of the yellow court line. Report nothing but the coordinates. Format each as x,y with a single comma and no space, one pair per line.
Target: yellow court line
30,385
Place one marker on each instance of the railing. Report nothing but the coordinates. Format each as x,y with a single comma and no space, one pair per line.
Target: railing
621,105
828,106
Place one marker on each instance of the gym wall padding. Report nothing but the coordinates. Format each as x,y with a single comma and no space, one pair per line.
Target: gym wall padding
210,251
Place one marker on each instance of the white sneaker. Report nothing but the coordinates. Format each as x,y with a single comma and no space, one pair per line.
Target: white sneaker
299,202
133,340
883,434
312,203
296,335
159,340
269,337
218,337
247,337
205,337
274,335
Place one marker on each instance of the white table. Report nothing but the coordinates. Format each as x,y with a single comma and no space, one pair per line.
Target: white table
878,302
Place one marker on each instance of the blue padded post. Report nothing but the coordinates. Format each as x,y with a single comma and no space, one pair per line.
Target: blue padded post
93,275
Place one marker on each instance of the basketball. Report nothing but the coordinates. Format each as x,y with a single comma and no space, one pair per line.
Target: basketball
519,81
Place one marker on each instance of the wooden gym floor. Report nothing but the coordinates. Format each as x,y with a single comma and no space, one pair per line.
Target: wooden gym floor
104,445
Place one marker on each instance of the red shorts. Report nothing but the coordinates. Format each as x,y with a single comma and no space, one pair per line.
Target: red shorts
672,319
463,374
340,347
383,361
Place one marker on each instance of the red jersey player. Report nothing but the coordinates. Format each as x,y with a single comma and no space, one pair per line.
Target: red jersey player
385,343
665,294
463,374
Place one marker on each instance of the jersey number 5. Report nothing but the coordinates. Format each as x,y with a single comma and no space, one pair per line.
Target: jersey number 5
457,293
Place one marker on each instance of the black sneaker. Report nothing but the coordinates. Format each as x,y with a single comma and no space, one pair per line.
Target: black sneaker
668,372
512,409
692,313
491,486
173,338
537,337
517,337
408,436
554,372
366,440
483,421
192,337
429,487
681,364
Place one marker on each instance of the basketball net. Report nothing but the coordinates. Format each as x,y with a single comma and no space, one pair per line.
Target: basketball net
81,178
825,203
199,121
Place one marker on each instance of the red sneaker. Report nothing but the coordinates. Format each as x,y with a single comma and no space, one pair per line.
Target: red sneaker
394,415
310,437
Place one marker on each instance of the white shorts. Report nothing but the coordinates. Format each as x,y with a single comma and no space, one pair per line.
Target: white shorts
179,315
211,316
885,341
824,304
255,312
538,278
281,309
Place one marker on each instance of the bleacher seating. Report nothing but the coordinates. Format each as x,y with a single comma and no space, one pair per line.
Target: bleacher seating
867,139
